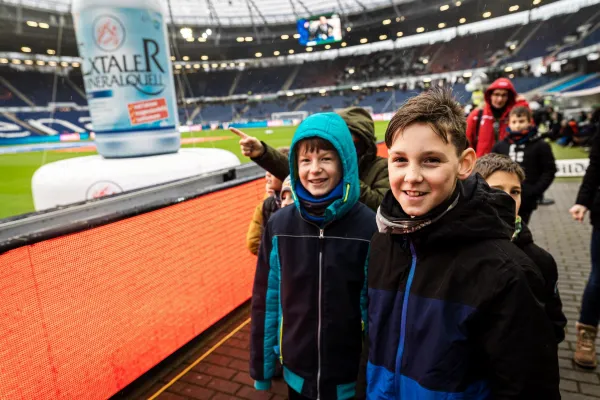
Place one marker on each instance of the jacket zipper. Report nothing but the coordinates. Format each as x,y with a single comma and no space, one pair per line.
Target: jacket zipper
400,353
321,238
281,341
321,242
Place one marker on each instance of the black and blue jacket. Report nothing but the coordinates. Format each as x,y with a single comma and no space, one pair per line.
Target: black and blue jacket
453,309
535,156
309,297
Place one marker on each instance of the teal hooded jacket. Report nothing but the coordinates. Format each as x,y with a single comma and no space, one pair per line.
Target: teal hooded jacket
309,298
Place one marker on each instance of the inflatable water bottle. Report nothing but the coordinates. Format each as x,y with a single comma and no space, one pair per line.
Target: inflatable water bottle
128,76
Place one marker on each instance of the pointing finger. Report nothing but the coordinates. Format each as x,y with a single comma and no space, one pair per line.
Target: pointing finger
239,133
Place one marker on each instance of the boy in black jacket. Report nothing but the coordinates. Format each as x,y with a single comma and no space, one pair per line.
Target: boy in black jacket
309,297
533,154
452,312
500,172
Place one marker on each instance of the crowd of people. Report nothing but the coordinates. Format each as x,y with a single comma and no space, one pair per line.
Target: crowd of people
576,130
414,276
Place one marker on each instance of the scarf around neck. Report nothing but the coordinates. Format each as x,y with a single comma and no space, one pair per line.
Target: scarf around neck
391,218
315,206
523,136
518,228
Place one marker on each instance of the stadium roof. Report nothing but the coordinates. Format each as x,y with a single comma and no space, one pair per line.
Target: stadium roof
239,12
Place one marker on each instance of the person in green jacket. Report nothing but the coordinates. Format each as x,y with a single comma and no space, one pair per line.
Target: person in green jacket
372,169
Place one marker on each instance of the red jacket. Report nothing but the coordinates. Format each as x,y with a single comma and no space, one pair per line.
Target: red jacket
486,140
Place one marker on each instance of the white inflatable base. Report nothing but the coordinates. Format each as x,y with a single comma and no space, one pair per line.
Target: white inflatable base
90,177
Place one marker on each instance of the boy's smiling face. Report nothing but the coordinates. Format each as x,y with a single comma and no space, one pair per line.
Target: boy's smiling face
423,169
319,171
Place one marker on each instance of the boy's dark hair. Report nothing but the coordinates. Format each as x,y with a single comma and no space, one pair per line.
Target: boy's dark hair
436,108
493,162
314,144
521,111
285,150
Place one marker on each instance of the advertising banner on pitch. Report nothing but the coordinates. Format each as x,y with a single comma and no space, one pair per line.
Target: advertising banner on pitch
571,168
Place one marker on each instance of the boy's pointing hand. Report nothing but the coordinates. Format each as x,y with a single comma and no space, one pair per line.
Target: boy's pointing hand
249,145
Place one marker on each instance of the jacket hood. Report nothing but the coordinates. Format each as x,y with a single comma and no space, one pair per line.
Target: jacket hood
331,127
286,185
481,213
360,123
504,84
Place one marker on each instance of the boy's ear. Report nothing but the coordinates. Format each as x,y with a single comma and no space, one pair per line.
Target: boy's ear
466,163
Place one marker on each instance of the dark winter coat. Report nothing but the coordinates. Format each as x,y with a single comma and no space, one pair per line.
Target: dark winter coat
270,206
549,271
310,295
588,191
452,310
535,156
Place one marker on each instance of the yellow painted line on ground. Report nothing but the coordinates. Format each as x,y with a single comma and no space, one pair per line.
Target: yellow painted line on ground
202,357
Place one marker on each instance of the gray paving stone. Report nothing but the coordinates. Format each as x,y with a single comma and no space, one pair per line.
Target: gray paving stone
576,396
593,390
580,376
568,354
570,386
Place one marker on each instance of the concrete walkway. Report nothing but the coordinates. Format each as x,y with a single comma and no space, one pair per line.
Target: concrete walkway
569,243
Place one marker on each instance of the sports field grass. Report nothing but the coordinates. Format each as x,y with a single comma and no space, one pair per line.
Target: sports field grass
16,170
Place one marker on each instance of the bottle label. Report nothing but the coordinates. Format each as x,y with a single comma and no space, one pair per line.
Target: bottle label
126,70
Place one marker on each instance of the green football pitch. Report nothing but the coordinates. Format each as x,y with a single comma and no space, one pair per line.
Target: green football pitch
16,170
